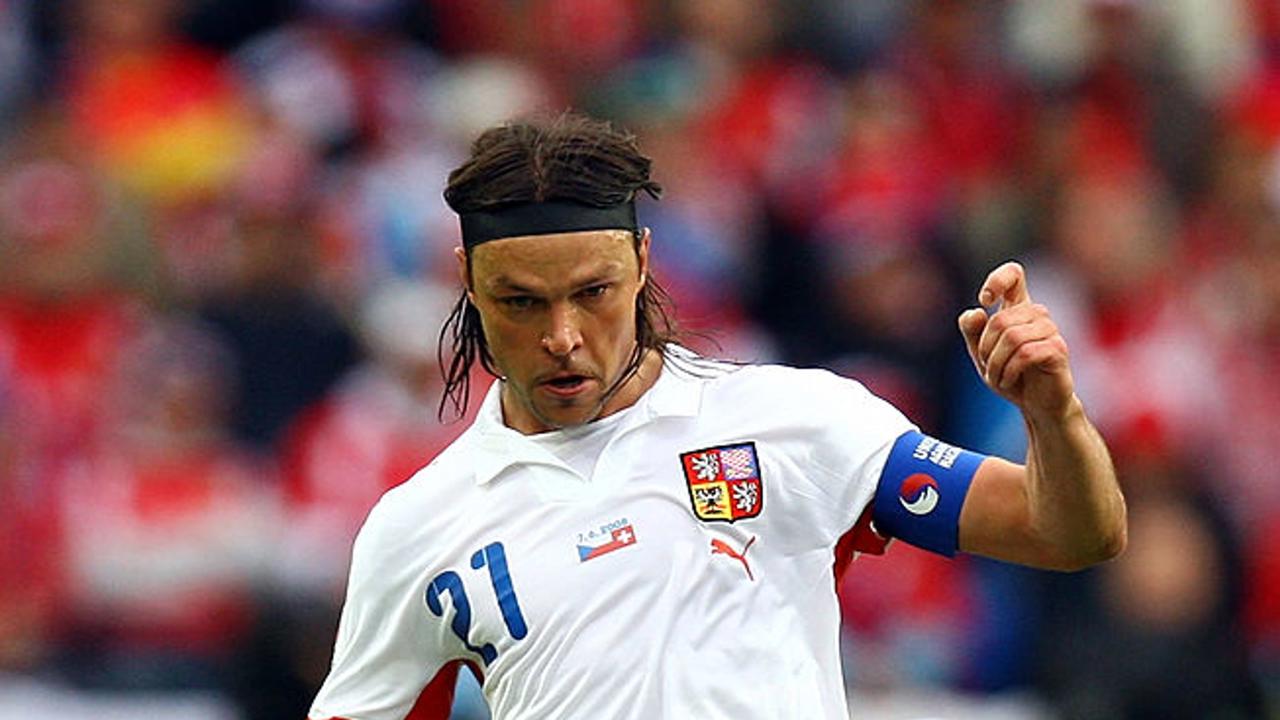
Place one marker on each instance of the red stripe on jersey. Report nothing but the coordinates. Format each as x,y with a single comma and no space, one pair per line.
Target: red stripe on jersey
435,702
436,699
861,538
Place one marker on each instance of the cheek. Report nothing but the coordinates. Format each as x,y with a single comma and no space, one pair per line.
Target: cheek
492,334
503,338
618,323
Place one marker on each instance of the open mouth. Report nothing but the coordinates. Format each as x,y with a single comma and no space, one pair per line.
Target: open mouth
566,384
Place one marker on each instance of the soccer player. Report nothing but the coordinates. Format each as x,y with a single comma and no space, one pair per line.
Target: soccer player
629,530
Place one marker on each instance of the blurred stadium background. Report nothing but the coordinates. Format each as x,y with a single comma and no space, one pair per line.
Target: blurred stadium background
224,255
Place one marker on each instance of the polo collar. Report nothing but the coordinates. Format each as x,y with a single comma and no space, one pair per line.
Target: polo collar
497,447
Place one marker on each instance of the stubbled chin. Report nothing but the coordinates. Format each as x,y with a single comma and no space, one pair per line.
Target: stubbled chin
570,414
542,411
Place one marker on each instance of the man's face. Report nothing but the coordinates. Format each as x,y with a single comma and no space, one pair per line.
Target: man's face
559,314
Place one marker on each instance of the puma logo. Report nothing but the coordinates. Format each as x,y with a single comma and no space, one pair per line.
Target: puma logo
721,547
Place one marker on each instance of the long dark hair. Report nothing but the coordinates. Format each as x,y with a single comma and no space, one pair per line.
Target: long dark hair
569,157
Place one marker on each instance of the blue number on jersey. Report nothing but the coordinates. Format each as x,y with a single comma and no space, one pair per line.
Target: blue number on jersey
494,557
449,582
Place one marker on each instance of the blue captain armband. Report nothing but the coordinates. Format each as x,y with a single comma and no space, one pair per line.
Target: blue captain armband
922,490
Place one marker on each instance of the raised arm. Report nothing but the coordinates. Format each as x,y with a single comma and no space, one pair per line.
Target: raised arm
1063,509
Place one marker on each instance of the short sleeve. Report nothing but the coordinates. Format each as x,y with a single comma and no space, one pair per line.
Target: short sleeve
848,432
385,653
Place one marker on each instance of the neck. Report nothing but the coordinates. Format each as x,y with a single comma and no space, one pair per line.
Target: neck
631,386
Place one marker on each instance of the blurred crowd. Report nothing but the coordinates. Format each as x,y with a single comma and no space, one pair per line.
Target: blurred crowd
224,259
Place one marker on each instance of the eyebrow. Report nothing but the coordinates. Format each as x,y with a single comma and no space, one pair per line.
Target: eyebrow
504,283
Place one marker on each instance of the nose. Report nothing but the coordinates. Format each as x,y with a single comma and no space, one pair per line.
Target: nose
563,334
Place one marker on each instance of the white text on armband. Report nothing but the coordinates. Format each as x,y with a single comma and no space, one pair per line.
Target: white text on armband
936,452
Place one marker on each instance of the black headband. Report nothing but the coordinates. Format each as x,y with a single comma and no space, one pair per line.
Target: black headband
544,218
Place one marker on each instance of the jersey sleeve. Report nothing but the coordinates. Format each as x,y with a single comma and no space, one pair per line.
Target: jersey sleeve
386,655
848,432
887,479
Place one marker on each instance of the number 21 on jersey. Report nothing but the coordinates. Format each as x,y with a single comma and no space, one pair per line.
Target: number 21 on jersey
494,558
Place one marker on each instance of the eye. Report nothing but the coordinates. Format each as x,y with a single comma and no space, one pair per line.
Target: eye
518,302
594,291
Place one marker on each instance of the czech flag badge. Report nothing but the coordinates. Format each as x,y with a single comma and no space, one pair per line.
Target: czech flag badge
615,540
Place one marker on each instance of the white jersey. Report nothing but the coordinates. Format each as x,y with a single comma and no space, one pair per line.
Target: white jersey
690,576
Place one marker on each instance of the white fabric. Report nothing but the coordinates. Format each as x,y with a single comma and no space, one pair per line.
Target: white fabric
581,447
660,628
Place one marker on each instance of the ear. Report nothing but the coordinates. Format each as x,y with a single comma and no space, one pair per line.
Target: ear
642,255
464,272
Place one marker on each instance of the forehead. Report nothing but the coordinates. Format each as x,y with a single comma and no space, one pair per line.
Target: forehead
552,259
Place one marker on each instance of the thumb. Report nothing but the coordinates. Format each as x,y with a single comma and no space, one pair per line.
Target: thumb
972,322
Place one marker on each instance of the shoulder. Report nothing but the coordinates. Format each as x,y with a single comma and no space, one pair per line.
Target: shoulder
814,407
694,367
424,505
783,389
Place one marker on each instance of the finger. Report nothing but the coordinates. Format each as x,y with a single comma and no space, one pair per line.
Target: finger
972,322
1048,355
1006,284
1011,344
1001,321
